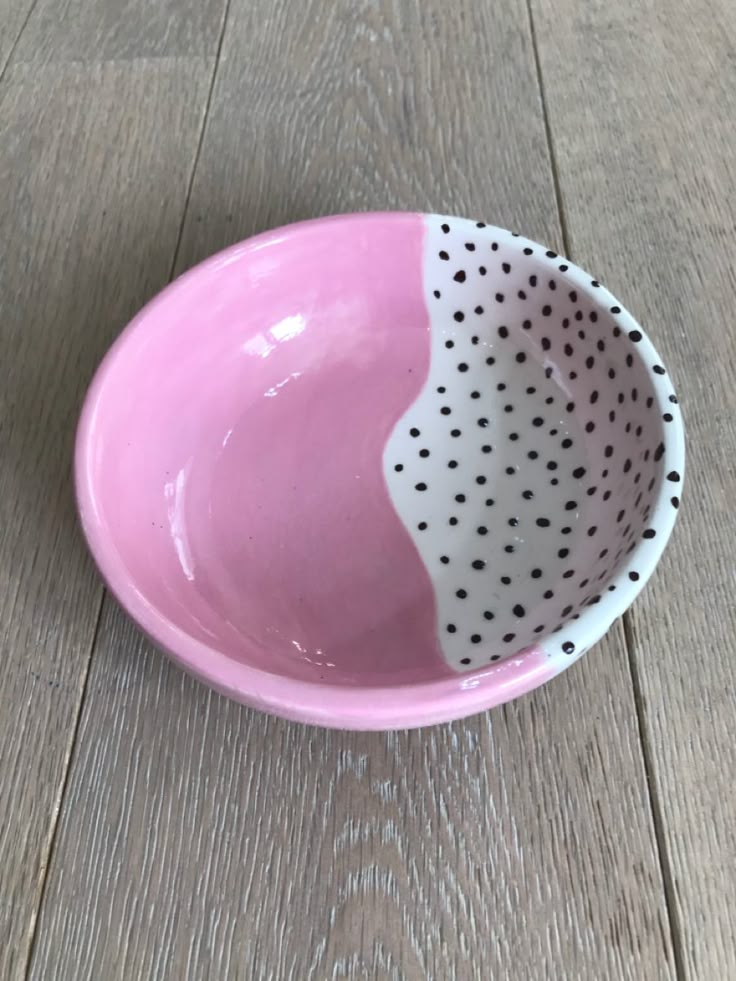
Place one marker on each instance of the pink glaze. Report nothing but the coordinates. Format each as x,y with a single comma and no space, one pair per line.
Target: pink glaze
230,485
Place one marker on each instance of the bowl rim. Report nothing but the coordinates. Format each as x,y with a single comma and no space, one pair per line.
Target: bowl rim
387,706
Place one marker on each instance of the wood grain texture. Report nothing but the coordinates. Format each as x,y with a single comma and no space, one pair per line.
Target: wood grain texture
645,143
105,30
13,15
202,840
88,228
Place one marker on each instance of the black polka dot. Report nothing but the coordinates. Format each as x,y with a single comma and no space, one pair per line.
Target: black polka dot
634,576
422,526
444,559
568,647
508,638
478,564
543,522
443,255
470,246
459,316
673,476
461,593
451,628
420,486
519,610
424,453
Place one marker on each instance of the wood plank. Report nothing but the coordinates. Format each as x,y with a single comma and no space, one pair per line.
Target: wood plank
105,30
202,840
13,15
94,166
645,145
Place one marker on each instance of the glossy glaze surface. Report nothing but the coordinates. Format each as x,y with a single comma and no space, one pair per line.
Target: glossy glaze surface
255,507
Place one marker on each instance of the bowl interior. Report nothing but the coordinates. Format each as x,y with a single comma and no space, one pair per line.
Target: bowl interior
377,451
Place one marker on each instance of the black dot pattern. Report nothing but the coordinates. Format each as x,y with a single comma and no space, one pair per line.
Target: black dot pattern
571,440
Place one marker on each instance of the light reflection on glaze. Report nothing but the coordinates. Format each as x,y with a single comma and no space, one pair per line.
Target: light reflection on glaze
174,491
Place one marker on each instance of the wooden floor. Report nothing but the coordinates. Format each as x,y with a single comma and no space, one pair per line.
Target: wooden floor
152,830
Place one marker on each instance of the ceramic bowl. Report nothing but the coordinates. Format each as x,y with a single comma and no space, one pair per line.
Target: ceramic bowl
379,470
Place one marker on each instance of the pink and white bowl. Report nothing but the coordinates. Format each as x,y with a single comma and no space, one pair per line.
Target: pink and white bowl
379,470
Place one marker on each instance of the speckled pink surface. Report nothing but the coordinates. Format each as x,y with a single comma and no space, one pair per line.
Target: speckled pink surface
241,486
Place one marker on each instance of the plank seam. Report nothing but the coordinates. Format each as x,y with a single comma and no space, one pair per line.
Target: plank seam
566,242
655,808
200,142
53,833
14,45
665,864
77,722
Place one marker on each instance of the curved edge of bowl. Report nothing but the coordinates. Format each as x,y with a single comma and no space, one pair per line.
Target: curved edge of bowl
370,708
